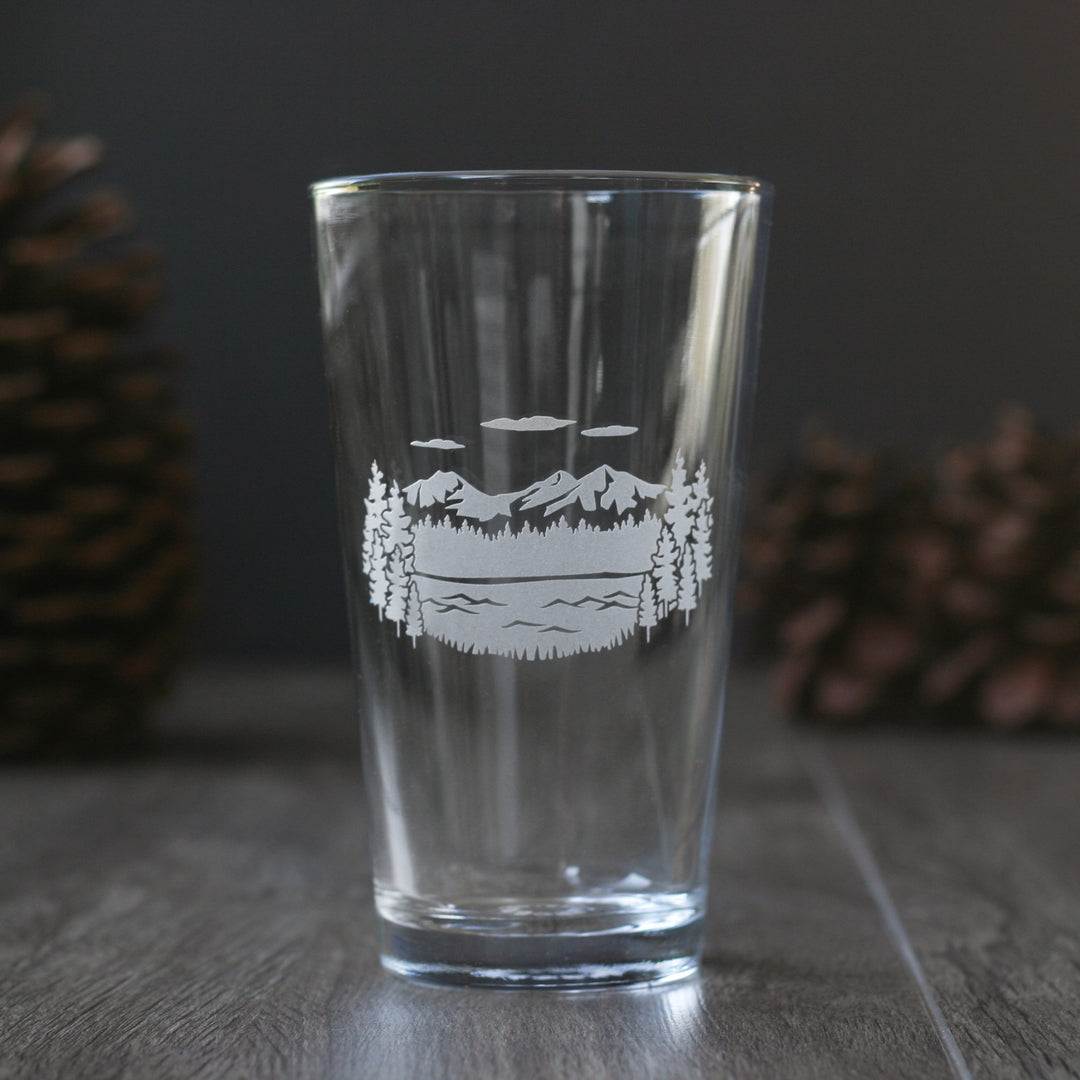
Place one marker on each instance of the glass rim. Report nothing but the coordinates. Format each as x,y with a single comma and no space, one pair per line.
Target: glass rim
549,181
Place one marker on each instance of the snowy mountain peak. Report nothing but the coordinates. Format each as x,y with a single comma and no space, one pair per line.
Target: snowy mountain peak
433,490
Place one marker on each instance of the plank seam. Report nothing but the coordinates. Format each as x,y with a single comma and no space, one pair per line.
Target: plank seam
839,809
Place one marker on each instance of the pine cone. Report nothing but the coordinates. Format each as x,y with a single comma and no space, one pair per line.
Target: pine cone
96,552
826,585
1007,649
808,534
960,600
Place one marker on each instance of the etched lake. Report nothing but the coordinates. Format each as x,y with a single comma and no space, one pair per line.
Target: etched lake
531,620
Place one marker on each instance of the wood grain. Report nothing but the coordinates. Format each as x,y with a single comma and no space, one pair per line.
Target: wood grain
205,912
977,839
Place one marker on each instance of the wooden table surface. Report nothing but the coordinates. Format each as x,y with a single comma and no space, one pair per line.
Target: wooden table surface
883,905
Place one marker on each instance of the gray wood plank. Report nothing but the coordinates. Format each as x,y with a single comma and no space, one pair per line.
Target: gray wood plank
977,839
205,912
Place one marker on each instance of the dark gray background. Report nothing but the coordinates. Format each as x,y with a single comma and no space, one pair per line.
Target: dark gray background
926,249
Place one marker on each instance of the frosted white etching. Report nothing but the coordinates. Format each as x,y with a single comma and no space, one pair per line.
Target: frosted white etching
563,566
437,444
609,431
528,423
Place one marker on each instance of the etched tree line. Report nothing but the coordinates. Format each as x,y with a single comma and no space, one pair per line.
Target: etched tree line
481,536
444,548
387,555
682,561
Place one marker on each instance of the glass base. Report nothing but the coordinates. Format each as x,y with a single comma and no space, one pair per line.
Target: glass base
572,944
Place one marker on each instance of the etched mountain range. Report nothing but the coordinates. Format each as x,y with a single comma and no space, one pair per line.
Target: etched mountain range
604,489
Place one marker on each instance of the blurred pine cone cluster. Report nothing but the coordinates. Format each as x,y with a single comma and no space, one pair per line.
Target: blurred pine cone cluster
96,549
950,592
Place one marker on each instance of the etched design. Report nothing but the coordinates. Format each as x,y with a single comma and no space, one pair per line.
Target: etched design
566,565
609,431
528,423
437,444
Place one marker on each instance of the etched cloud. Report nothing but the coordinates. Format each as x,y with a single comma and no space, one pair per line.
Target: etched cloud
610,430
438,444
528,423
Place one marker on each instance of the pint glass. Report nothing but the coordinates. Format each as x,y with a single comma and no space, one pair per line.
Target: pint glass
539,388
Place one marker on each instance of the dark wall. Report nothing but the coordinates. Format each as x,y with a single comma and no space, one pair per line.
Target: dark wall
926,249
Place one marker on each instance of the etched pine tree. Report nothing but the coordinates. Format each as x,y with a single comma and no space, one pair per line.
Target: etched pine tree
664,572
399,542
374,507
398,522
688,588
647,614
375,549
414,619
679,514
398,592
701,533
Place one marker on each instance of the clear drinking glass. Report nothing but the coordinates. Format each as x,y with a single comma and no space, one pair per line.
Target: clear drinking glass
539,387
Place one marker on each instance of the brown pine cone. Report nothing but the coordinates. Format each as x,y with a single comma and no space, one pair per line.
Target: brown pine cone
1008,629
809,533
96,551
826,583
962,600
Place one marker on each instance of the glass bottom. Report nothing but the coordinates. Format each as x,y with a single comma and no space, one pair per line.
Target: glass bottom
575,943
